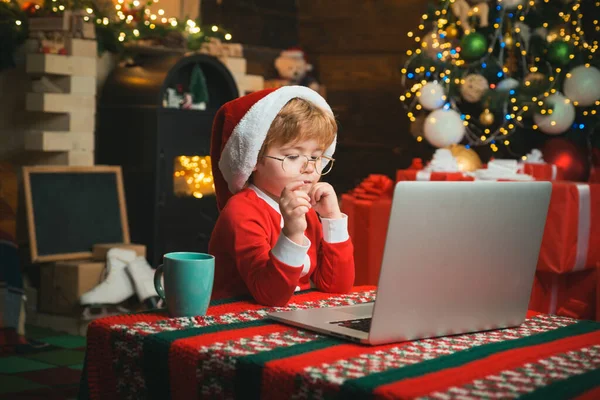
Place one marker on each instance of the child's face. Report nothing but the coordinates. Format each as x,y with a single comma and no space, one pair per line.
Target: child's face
269,175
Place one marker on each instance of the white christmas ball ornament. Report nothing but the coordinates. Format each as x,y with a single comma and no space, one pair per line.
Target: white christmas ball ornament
561,118
474,87
443,128
511,4
507,84
432,96
583,85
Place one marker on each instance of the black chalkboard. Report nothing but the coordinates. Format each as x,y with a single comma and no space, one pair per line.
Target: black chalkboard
70,209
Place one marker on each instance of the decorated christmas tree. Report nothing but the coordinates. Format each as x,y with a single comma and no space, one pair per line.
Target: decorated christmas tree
198,89
504,77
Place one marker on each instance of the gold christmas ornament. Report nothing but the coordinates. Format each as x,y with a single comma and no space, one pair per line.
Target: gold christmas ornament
486,118
451,31
467,159
508,40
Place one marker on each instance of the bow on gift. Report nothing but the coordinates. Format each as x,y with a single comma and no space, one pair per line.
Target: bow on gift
463,11
374,187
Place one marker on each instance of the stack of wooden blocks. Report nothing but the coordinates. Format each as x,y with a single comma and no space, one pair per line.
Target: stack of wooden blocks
231,55
63,90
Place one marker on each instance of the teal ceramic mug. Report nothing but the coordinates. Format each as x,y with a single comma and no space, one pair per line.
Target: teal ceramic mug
188,280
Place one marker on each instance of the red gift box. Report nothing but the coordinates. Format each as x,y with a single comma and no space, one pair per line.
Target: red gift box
422,175
368,209
598,292
595,175
572,295
541,171
572,234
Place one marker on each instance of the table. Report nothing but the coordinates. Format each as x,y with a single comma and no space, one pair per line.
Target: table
234,352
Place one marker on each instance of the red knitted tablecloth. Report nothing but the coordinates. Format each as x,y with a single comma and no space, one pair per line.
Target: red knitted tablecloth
235,352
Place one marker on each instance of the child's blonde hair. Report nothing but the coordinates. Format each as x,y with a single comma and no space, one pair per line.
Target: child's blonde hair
300,120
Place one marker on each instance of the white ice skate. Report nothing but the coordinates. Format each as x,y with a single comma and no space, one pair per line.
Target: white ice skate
105,299
142,275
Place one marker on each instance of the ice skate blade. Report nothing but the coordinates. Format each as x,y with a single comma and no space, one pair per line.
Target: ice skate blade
92,312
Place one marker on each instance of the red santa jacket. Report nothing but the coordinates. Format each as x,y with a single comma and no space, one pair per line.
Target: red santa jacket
252,256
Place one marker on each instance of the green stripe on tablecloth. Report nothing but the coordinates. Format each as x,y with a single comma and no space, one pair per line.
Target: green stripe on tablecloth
248,370
364,386
568,388
156,354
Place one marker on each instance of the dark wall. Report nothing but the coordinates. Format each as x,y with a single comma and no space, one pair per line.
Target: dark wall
269,23
358,48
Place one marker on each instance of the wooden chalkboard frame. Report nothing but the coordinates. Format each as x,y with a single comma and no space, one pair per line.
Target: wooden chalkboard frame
42,169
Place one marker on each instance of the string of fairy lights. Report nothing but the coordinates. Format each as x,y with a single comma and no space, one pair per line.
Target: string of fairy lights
126,15
452,68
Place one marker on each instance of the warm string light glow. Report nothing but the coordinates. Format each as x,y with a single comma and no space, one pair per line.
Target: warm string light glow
128,13
193,176
505,38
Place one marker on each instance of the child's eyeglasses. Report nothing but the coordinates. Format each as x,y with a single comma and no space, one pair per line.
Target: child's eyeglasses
299,163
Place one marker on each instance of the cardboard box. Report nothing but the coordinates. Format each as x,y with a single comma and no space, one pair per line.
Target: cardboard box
63,283
99,250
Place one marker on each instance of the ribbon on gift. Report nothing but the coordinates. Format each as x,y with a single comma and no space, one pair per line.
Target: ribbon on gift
502,170
580,290
584,225
536,166
442,161
462,10
374,187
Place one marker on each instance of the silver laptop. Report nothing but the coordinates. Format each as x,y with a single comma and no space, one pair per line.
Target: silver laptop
459,257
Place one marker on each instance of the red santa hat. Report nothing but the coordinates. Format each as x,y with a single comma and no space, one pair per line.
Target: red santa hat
239,131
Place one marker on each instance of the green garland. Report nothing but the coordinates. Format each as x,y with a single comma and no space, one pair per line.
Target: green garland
112,32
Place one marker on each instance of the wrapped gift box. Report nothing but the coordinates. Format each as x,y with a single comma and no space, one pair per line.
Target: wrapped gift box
571,239
423,175
572,234
595,175
541,171
368,209
572,295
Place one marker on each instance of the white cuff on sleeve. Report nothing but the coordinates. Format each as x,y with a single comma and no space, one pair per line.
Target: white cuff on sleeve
335,230
289,252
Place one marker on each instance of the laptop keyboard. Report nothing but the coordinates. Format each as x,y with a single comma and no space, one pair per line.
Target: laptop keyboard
361,324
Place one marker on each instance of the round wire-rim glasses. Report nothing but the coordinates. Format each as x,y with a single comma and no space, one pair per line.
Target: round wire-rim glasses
292,163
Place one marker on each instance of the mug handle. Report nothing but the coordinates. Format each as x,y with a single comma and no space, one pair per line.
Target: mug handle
157,283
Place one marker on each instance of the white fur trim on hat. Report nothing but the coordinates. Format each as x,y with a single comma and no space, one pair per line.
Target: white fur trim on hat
240,153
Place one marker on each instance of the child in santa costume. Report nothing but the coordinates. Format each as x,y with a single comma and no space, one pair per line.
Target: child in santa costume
279,228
